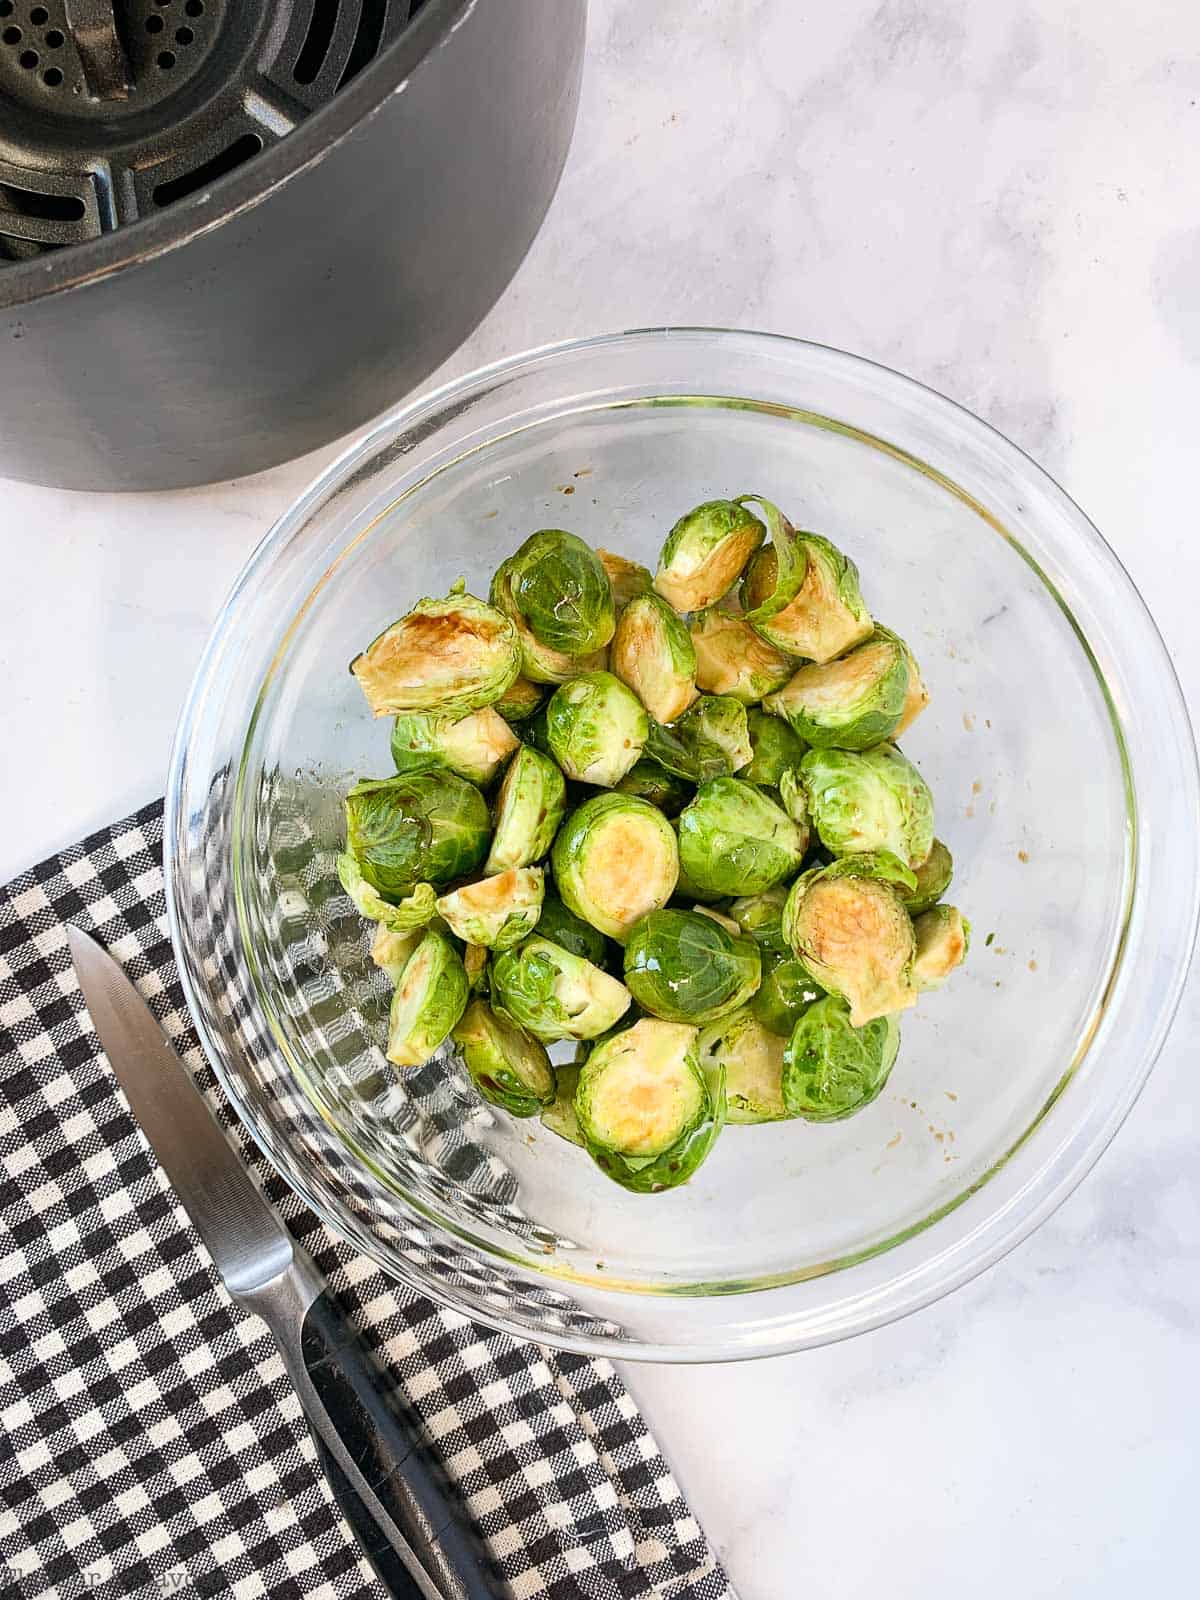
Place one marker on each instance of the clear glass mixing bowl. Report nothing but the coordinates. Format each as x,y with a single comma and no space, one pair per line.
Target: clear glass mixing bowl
1056,744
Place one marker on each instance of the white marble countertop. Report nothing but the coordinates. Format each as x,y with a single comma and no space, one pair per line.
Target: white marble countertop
1001,201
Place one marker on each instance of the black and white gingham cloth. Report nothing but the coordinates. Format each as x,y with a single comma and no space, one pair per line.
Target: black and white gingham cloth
150,1443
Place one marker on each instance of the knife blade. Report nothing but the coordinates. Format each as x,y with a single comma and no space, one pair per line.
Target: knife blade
369,1440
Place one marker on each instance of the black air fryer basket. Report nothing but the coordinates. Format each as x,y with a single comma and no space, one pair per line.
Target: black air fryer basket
230,232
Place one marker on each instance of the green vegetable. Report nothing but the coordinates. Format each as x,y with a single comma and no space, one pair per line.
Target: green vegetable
855,938
559,1116
559,587
705,552
793,797
475,965
414,911
520,700
596,728
573,933
419,827
685,753
774,749
508,1069
390,950
720,720
761,916
628,578
752,1059
848,704
732,659
430,998
785,994
943,938
646,780
614,860
832,1069
554,994
869,800
498,911
824,617
529,808
734,840
652,653
917,695
933,879
539,663
474,746
684,966
450,656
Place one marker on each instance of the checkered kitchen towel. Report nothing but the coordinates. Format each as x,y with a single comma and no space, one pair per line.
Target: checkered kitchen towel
149,1441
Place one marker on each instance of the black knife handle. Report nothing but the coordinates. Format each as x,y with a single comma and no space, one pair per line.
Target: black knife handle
376,1545
386,1445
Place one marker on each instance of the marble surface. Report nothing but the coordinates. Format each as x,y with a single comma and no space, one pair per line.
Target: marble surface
1002,201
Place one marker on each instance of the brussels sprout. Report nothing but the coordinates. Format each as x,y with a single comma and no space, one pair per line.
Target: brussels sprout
614,860
646,780
685,753
917,695
761,916
869,800
734,840
628,578
648,1113
559,1116
538,662
474,746
596,728
508,1069
652,653
753,1061
688,892
390,950
721,920
775,748
429,999
553,994
529,808
831,1069
855,938
685,967
825,617
705,552
784,995
414,911
943,938
561,590
419,826
475,965
932,880
573,933
520,700
793,797
848,704
451,656
732,659
498,911
720,720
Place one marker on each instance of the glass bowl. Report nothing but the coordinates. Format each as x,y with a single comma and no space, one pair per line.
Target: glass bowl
1056,744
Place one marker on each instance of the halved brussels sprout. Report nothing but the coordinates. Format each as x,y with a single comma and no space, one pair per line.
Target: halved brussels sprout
614,860
831,1069
721,920
508,1069
933,879
520,700
538,662
827,614
474,746
753,1061
917,695
732,659
417,827
559,1116
793,797
596,728
529,808
761,916
429,999
869,800
685,753
390,950
943,938
775,748
720,720
451,656
848,704
648,781
855,938
628,578
475,965
648,1113
683,966
573,933
734,840
414,911
498,911
784,995
554,994
559,586
705,552
652,653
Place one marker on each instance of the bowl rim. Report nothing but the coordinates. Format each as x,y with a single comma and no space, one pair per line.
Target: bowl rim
1004,1228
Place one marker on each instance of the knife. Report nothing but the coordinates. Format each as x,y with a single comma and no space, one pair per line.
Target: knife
370,1442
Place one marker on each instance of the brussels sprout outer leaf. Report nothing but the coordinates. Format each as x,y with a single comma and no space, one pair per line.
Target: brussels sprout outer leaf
430,998
647,780
943,936
685,967
509,1069
419,826
793,797
686,755
933,878
474,746
615,859
596,728
559,1116
827,615
734,840
560,587
652,653
562,926
731,659
498,911
529,808
785,994
720,720
628,578
705,552
790,562
917,695
414,911
451,656
537,661
520,700
553,994
832,1069
774,748
761,916
855,938
851,703
873,800
752,1058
